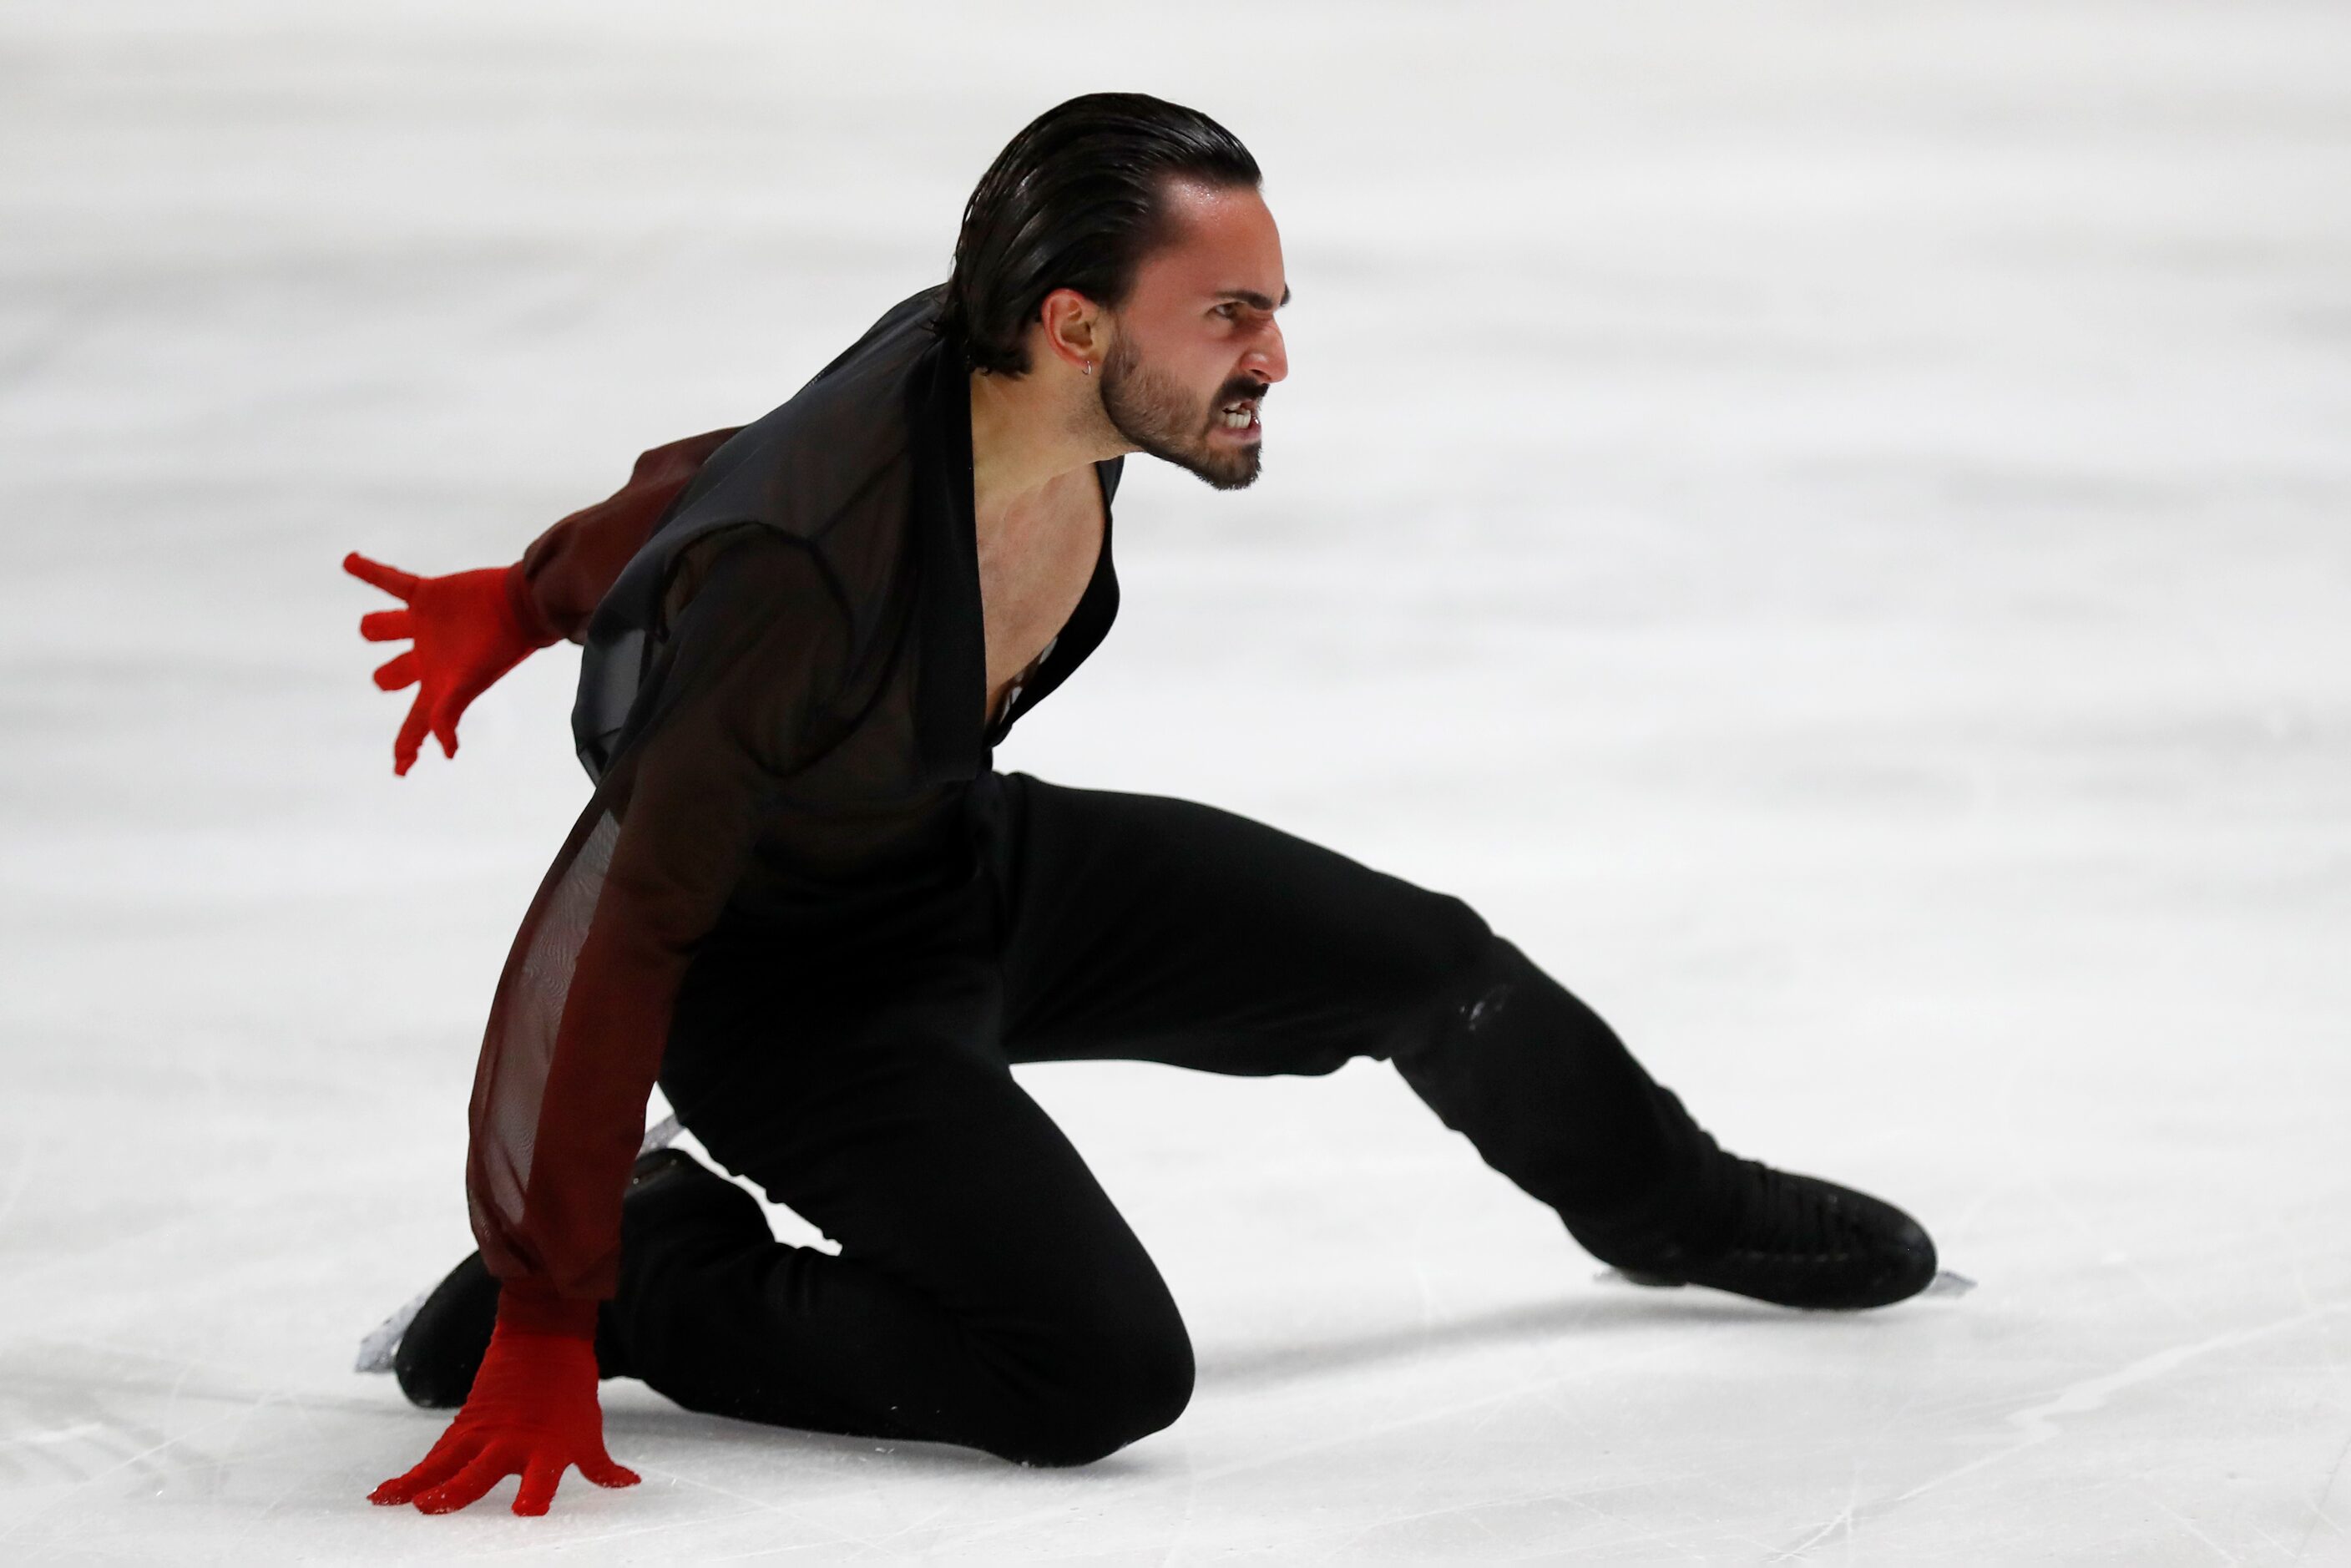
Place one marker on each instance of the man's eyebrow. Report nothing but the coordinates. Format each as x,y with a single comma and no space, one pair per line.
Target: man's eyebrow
1252,298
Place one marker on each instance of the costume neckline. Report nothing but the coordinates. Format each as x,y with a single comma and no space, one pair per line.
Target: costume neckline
955,730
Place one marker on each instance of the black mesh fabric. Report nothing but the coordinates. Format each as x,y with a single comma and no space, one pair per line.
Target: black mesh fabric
781,699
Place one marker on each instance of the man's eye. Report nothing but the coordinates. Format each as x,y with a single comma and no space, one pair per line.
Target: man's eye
1227,311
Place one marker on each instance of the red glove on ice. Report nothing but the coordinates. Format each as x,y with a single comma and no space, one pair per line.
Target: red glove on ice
468,631
532,1413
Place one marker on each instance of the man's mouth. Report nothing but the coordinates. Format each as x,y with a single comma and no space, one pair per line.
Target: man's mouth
1239,417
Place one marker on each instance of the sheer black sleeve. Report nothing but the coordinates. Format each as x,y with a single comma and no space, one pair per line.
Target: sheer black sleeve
555,587
740,696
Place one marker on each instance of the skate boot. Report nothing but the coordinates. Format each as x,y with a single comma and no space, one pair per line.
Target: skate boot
1739,1225
444,1346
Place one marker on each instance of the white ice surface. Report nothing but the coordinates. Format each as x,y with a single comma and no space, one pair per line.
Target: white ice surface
1831,525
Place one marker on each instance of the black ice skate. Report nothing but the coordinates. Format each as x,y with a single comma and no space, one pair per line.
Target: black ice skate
1797,1240
443,1345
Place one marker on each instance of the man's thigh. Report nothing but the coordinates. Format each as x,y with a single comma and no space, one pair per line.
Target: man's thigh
1148,927
867,1092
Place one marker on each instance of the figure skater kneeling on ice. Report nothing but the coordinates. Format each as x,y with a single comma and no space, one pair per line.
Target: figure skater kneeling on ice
802,898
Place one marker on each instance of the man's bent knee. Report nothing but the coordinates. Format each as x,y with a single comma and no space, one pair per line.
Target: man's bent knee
1107,1390
1450,969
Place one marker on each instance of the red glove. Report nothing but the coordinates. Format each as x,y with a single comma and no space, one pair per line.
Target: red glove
532,1412
470,628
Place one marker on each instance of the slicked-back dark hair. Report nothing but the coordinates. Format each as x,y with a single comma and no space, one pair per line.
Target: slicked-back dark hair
1075,201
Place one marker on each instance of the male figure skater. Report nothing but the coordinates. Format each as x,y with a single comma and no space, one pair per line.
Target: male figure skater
802,898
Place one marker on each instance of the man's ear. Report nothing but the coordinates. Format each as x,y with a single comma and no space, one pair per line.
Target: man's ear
1077,324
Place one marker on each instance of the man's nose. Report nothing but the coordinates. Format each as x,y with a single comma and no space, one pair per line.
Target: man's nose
1268,357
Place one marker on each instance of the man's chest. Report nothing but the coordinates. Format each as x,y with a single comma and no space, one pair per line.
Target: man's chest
1032,580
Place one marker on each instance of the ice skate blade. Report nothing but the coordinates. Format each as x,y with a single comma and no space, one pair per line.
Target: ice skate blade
1635,1277
1946,1282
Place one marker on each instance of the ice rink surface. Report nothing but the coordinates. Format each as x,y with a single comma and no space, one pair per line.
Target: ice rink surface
1829,524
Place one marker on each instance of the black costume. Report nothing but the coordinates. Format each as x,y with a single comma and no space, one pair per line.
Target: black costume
803,895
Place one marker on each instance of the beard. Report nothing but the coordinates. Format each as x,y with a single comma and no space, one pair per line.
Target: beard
1161,418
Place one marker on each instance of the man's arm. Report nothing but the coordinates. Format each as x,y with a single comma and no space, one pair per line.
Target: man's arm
565,573
746,699
469,628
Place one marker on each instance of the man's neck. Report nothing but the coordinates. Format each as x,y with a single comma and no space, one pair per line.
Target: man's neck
1028,434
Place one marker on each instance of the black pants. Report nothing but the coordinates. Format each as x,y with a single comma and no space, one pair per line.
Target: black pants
987,1293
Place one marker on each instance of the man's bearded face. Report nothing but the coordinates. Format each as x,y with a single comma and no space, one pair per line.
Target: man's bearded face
1178,424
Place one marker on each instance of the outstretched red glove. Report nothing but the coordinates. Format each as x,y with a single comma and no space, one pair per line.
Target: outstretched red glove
532,1413
468,631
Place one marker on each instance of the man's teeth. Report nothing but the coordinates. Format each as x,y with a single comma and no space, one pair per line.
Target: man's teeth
1239,418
